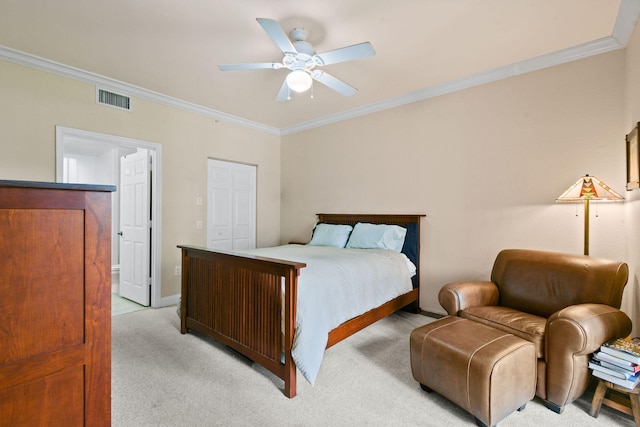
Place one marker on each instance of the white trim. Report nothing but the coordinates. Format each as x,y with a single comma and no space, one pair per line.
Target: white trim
168,301
624,25
544,61
626,21
63,70
63,133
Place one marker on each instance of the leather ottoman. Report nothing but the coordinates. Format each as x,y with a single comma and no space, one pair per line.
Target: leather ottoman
487,372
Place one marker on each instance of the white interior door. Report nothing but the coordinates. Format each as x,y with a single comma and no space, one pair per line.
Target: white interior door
231,205
75,142
135,229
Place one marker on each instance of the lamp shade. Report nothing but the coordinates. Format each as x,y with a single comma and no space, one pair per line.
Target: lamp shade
589,188
299,81
584,190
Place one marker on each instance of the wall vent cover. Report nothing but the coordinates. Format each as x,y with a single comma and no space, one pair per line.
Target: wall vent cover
113,99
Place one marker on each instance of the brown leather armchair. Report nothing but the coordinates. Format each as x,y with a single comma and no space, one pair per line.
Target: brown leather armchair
567,305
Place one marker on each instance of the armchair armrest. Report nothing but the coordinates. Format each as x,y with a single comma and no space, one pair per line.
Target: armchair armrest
572,334
457,296
582,328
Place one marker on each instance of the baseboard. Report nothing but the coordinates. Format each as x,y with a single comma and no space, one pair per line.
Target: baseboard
168,301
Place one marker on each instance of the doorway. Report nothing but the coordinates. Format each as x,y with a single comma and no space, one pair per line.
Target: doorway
78,149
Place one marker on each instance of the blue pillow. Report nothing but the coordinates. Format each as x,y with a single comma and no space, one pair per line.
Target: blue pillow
330,235
377,236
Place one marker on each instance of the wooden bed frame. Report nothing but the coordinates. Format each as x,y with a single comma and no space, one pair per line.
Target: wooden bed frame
237,299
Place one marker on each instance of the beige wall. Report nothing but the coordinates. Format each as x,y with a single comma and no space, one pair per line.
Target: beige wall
485,164
33,103
632,206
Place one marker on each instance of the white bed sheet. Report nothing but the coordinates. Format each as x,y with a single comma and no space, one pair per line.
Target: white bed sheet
336,285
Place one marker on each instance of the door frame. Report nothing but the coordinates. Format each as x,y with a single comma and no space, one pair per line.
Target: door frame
66,135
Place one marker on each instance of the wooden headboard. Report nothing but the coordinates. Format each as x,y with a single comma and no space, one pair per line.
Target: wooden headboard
352,219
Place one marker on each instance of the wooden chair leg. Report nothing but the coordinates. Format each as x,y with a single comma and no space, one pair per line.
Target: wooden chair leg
598,397
635,408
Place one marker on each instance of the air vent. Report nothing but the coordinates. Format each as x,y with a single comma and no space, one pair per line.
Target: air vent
113,99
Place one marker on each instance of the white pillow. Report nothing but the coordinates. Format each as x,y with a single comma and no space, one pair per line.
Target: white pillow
330,235
377,236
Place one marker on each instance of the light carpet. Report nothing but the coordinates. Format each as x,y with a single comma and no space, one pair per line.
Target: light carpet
163,378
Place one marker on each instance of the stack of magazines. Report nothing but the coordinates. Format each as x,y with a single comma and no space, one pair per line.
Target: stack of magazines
618,361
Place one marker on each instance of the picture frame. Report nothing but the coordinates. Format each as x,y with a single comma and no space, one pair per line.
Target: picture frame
633,159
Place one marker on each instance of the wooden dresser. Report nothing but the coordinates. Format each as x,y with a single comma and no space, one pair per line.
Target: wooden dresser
55,304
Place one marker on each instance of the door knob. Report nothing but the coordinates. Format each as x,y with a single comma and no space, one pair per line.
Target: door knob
120,233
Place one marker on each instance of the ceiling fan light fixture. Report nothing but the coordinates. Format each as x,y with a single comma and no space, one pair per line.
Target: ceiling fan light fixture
299,81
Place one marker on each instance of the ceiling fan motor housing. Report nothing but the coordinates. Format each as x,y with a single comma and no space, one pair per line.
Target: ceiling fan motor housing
299,37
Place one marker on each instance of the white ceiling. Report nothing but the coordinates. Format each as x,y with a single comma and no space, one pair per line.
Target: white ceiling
170,49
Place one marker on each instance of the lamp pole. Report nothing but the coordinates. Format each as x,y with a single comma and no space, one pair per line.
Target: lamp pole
586,226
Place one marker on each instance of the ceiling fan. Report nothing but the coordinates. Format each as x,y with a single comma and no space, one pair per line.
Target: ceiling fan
300,58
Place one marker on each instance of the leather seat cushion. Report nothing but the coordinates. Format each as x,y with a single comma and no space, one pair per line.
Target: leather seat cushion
524,325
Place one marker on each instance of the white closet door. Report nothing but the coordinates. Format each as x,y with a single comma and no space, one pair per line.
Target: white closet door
231,205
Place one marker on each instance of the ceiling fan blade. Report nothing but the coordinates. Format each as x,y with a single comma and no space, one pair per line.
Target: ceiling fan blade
277,34
333,83
283,95
356,51
254,66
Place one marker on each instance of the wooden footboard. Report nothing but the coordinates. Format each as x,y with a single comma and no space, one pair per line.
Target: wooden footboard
238,300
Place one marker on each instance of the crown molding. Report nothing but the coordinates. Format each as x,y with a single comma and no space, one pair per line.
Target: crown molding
625,23
78,74
626,20
544,61
624,26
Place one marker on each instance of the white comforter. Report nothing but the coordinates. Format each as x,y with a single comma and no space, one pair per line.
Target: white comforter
335,286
